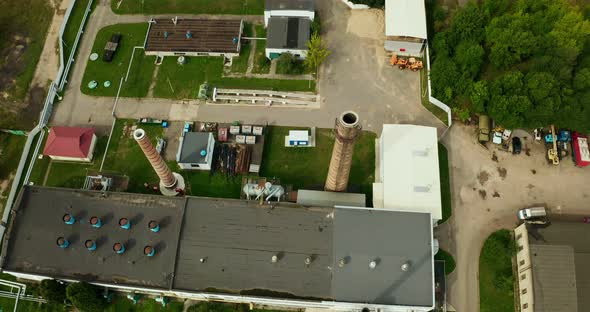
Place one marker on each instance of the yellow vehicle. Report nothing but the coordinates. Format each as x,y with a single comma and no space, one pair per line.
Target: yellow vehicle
552,152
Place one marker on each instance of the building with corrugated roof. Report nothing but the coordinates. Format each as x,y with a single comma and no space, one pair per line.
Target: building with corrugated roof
405,27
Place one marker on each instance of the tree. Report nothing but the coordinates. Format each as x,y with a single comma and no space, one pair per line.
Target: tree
286,63
469,57
479,96
85,297
510,40
53,291
582,79
444,75
316,54
468,24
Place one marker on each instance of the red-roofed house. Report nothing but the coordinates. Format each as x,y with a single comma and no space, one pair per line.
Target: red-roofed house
70,144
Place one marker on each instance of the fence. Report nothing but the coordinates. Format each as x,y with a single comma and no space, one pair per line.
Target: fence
55,86
434,100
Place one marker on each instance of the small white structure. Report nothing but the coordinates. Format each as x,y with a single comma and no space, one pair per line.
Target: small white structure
405,27
298,138
288,8
408,172
195,151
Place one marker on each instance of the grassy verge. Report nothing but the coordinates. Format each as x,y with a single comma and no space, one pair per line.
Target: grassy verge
496,281
73,25
445,183
182,81
11,147
238,7
240,63
141,71
448,259
261,63
308,167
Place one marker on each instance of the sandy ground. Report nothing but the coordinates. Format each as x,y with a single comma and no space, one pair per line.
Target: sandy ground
49,61
367,24
486,194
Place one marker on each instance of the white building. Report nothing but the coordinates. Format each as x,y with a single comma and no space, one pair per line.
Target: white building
289,27
405,27
288,8
408,170
195,151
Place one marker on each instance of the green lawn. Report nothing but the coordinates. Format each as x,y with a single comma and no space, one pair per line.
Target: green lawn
240,63
11,147
238,7
496,281
445,183
448,259
261,63
307,167
141,71
182,81
68,174
121,304
200,183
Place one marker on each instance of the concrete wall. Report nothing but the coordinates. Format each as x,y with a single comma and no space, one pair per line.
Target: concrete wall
302,53
160,53
525,271
287,13
87,159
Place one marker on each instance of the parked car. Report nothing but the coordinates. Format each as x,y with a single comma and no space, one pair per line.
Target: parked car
484,129
516,145
532,213
111,47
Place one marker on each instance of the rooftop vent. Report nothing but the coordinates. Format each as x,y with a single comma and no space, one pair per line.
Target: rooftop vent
203,260
124,223
308,260
95,222
62,242
154,226
274,259
119,248
422,188
165,35
149,251
406,266
90,245
69,219
189,34
421,153
343,261
373,264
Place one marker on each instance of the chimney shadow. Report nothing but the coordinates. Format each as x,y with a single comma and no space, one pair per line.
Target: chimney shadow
165,221
107,218
160,246
130,243
100,241
73,238
136,219
81,215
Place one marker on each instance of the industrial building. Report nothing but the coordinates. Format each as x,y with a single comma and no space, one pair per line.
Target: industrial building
407,175
405,27
289,27
194,37
195,151
70,144
552,264
283,255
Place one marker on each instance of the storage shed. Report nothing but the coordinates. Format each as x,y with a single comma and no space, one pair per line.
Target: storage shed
70,144
287,35
195,151
289,8
405,27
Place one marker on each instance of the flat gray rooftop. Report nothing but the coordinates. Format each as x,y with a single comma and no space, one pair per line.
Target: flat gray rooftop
296,5
236,240
288,33
572,236
38,223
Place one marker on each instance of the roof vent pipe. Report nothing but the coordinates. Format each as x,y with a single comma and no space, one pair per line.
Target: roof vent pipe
406,266
374,263
124,223
308,260
274,259
62,242
154,226
149,251
95,222
90,245
69,219
119,248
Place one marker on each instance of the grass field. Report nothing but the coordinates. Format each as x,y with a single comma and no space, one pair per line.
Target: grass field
448,259
73,25
308,167
182,81
238,7
240,63
445,183
141,71
261,63
496,281
21,23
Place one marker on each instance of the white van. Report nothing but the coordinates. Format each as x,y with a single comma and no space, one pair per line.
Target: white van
530,213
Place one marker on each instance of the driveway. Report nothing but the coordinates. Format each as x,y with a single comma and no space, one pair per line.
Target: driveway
510,183
354,77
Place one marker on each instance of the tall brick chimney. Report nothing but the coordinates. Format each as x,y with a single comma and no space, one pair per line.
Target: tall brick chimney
347,129
170,183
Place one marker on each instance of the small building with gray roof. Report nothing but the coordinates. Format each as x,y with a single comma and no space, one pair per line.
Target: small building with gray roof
289,8
288,25
284,255
195,151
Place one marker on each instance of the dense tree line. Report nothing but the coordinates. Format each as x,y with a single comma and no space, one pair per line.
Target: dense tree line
526,63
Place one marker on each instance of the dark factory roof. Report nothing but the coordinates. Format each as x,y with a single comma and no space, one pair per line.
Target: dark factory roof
295,5
227,246
288,33
205,35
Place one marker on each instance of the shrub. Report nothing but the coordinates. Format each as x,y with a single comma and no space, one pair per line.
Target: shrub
53,291
85,297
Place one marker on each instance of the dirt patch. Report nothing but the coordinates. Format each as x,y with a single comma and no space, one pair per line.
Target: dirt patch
494,157
502,172
483,194
533,171
12,63
496,194
367,24
483,177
